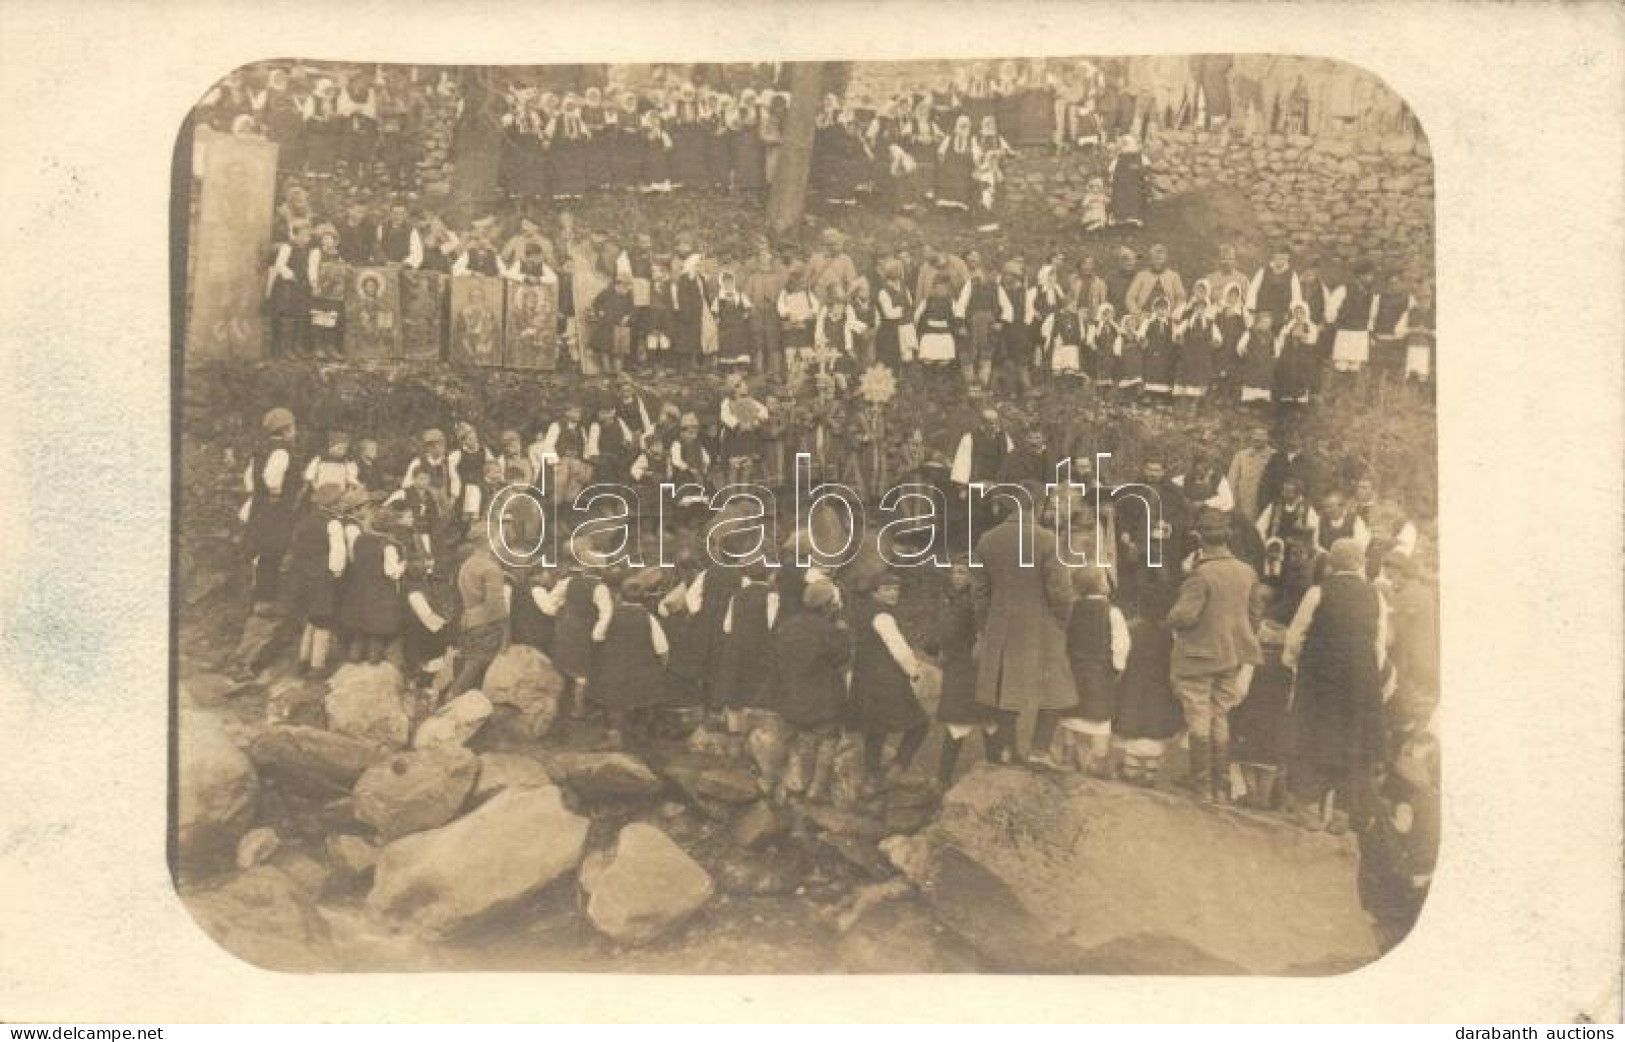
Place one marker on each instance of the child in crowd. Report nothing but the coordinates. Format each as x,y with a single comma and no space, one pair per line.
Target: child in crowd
370,606
884,672
334,466
1097,643
632,654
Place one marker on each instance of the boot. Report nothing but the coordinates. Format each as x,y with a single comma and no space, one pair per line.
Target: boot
1099,762
948,761
823,771
1221,772
1199,774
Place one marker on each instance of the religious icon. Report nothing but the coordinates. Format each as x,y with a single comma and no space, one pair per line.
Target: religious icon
423,314
372,327
476,333
532,341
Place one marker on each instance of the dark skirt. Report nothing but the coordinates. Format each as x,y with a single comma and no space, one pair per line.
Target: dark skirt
370,605
572,643
312,593
749,160
688,156
719,157
1146,706
954,183
1261,727
569,173
883,702
1097,689
628,159
958,704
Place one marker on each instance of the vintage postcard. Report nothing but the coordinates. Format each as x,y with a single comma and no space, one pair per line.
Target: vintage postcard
985,511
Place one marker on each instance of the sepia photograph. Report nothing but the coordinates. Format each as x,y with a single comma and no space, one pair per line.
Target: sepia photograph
934,516
562,517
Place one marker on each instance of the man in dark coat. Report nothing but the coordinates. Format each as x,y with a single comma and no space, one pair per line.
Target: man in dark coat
1023,602
1214,638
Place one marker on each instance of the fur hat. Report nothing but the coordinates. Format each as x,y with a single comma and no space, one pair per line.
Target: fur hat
276,421
817,596
1346,555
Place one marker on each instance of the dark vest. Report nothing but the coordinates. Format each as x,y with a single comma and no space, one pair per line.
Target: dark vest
397,242
1390,308
1275,293
1356,310
1345,623
984,296
1331,531
482,261
1089,633
571,442
987,452
938,316
875,674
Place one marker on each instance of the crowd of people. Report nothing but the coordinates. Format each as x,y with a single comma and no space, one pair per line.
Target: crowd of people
1322,607
361,122
1263,612
1133,327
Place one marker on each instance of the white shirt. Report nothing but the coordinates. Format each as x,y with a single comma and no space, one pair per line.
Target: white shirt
886,628
960,474
425,614
273,473
338,547
322,471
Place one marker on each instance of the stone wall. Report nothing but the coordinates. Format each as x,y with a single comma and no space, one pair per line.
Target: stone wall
1338,198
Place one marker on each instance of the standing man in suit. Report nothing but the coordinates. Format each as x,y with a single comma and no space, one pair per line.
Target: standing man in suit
1214,642
1023,598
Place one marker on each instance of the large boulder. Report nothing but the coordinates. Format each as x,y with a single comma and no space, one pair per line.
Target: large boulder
219,793
649,887
499,771
266,918
1051,872
729,785
364,701
315,756
257,847
351,857
456,877
603,775
455,723
415,791
524,678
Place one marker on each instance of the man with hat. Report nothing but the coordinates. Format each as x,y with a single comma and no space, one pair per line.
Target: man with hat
1214,642
274,483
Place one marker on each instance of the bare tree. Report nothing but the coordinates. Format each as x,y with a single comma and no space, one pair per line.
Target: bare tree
476,142
787,200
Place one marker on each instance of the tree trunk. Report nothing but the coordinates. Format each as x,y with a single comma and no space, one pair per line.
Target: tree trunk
476,147
787,199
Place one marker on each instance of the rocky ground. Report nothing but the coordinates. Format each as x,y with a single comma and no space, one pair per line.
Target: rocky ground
340,824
